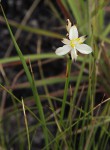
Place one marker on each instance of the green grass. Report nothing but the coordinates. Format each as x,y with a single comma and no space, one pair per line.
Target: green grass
79,111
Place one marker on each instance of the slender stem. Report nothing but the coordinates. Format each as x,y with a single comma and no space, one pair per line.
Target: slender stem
31,81
26,124
68,70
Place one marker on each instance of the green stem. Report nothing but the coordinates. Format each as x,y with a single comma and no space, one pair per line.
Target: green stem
66,88
30,79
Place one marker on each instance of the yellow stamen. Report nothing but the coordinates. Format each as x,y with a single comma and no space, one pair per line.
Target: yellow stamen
74,42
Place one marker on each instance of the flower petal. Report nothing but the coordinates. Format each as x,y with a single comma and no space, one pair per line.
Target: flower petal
63,50
82,39
74,54
73,33
83,48
66,41
68,26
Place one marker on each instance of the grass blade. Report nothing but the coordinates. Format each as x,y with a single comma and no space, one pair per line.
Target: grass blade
30,79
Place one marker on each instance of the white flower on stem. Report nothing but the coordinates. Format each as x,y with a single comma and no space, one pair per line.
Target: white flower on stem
73,43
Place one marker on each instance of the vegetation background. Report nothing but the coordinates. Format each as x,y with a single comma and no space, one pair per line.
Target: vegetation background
47,101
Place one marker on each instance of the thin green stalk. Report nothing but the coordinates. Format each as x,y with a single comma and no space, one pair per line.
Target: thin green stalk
34,57
30,79
66,88
26,123
79,80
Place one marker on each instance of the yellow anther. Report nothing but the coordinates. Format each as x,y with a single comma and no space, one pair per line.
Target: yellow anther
72,44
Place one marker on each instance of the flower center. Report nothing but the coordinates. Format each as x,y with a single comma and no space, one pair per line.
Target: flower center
74,42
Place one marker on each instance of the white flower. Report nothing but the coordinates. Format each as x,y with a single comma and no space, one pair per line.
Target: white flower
74,43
